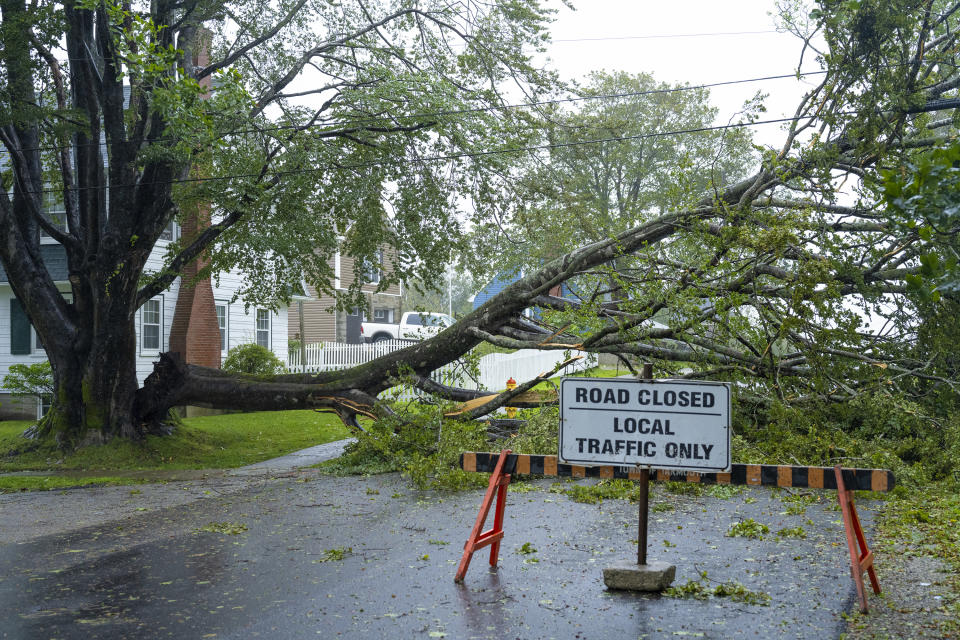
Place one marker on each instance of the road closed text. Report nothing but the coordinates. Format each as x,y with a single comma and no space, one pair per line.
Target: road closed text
669,424
647,397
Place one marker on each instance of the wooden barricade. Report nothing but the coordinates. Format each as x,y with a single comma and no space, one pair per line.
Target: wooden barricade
844,481
477,540
860,560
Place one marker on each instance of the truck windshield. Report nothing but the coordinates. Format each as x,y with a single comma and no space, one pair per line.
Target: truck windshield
429,320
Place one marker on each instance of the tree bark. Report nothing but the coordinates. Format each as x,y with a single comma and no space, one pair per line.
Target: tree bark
95,381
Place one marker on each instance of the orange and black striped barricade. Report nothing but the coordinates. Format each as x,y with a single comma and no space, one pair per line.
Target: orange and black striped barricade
844,481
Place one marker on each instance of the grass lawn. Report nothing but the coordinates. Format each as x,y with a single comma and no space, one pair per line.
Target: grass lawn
595,372
600,372
49,483
209,442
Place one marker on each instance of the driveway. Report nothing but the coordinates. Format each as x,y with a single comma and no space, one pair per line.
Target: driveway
363,557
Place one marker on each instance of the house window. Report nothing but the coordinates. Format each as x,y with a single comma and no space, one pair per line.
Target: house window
371,272
263,328
222,323
54,211
150,322
383,314
24,340
170,232
44,402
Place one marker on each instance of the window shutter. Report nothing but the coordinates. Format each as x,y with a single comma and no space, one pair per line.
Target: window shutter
19,329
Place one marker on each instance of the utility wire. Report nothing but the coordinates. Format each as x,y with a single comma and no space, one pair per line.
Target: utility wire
666,36
455,112
341,124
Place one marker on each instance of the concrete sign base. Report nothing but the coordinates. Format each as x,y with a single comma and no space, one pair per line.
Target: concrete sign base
630,576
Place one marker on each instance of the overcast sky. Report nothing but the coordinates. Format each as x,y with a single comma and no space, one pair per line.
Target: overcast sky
666,40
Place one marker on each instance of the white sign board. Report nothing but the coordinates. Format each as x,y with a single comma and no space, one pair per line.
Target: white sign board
667,424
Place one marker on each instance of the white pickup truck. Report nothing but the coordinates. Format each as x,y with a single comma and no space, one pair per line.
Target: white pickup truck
413,325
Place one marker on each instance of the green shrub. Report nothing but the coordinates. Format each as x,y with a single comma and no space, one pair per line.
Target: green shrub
891,417
293,346
29,379
879,430
252,359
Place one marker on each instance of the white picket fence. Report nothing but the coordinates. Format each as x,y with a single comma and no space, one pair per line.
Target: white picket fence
494,369
331,356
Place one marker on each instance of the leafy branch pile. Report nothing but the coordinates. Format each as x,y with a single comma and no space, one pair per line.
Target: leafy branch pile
732,589
426,448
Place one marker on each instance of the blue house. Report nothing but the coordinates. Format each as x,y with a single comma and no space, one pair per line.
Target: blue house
504,279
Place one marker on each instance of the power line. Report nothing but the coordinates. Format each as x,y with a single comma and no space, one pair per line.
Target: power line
454,112
452,156
666,36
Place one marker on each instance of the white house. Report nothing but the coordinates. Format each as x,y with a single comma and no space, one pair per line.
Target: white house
18,342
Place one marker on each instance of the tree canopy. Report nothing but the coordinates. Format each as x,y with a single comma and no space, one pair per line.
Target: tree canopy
626,149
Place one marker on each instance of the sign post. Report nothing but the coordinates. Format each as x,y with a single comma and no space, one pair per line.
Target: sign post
643,424
646,373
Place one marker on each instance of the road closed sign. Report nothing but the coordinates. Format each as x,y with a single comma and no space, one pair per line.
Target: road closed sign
666,424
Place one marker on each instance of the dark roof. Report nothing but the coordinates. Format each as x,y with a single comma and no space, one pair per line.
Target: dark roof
54,256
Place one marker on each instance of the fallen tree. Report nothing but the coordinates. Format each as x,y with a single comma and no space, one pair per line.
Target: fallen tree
776,282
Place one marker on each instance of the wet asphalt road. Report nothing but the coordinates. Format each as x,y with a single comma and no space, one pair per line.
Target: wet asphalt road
162,577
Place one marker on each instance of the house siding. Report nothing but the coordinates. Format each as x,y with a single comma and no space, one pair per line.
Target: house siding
54,258
494,287
242,321
321,322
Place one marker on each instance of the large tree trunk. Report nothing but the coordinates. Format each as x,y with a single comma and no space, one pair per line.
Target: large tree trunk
94,360
94,392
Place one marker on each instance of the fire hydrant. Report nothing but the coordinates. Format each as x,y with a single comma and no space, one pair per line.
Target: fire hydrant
511,411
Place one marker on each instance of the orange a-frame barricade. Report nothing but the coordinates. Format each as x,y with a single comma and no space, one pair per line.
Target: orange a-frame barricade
498,485
861,558
845,481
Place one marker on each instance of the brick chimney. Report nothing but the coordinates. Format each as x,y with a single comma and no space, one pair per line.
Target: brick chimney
195,332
